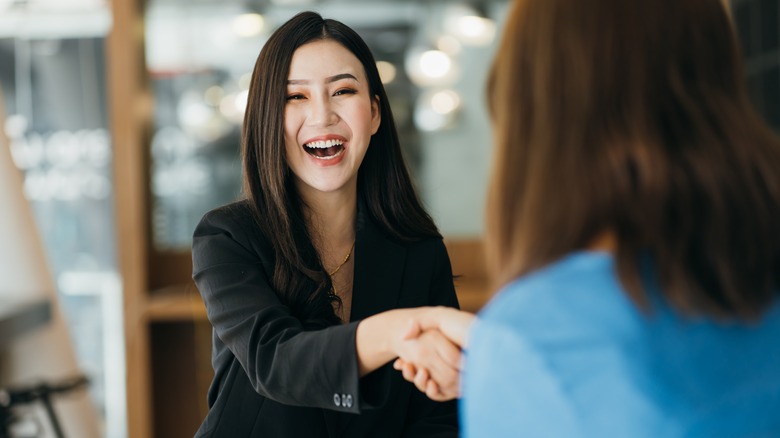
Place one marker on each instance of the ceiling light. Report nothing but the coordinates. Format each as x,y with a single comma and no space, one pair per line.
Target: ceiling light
386,71
248,25
430,67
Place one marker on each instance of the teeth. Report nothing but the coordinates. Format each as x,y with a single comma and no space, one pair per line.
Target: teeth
324,144
330,157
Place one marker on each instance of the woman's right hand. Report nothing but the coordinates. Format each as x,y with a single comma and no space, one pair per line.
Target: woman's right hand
428,338
444,329
433,364
452,323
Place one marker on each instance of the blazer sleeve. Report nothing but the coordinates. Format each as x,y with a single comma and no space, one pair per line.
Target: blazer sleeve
428,418
283,362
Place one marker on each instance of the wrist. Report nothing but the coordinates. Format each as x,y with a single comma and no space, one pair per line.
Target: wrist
395,326
376,341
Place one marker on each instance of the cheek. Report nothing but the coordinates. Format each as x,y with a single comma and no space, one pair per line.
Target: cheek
290,136
289,124
362,118
291,128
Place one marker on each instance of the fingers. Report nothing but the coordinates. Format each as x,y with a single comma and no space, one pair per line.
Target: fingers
409,372
430,388
433,392
421,380
432,357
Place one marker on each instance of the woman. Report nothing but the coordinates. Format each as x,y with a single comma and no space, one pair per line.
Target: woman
634,221
300,278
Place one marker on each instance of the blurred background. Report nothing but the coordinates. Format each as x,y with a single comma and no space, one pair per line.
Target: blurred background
123,118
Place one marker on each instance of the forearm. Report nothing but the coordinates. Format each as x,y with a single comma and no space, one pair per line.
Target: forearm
377,338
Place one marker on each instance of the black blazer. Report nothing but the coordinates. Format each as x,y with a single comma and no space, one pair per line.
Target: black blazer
274,379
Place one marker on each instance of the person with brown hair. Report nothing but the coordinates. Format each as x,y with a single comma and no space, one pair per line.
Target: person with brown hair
633,225
311,281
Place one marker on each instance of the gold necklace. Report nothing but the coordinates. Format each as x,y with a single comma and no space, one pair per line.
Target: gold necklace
346,259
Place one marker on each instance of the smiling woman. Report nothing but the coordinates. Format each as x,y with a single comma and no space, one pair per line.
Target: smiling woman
303,280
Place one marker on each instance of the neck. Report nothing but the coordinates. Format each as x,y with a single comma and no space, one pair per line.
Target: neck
331,217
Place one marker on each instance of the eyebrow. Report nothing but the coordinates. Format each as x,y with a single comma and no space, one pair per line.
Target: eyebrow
328,80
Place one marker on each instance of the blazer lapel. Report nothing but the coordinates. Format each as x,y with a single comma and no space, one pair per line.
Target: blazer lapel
376,286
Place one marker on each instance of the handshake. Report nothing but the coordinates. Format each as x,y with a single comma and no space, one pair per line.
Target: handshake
430,350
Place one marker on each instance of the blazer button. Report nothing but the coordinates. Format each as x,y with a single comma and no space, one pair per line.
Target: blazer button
344,400
348,402
337,399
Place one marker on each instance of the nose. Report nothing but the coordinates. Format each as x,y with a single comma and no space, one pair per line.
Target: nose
321,112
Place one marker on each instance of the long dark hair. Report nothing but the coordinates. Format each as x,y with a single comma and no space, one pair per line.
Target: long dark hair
384,186
633,117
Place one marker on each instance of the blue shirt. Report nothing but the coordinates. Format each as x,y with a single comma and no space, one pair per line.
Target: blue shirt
563,352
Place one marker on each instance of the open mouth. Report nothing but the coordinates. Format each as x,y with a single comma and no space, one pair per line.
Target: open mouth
325,149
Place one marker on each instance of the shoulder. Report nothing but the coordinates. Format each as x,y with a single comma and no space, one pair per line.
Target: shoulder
433,245
553,285
235,215
229,232
235,220
565,336
579,296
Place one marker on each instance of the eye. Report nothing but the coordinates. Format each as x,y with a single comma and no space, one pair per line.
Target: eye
345,91
295,96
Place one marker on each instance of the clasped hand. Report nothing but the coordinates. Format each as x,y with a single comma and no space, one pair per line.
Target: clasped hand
430,352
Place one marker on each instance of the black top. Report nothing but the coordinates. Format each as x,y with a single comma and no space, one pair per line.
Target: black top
275,379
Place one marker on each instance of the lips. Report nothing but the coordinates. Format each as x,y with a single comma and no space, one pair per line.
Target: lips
325,149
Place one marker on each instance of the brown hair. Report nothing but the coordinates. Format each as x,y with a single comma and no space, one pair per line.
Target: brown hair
632,117
384,186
